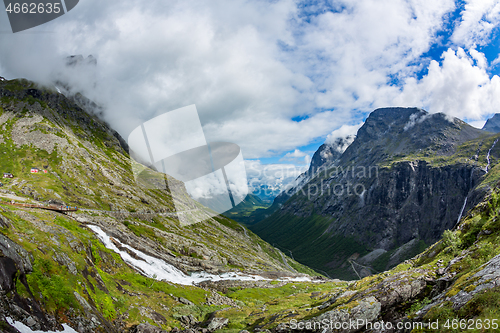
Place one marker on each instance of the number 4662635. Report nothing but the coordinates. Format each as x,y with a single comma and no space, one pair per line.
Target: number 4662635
465,324
33,8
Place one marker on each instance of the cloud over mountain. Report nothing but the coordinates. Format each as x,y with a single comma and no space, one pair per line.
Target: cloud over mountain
254,68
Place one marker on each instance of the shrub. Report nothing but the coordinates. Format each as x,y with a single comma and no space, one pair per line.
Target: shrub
452,240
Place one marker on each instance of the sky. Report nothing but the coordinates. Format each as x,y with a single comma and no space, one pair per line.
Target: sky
276,77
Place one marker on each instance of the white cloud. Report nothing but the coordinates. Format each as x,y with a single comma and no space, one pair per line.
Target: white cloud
250,67
221,56
496,61
457,87
297,156
343,132
226,57
262,133
276,176
353,52
477,124
479,18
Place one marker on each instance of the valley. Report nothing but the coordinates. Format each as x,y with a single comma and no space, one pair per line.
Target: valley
418,244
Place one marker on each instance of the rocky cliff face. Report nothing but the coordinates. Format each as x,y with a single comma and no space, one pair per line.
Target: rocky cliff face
401,183
493,124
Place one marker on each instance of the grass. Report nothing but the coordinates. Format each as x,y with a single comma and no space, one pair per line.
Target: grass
475,316
300,234
244,209
263,304
464,154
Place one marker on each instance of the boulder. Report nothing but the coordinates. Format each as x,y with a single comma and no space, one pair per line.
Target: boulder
146,328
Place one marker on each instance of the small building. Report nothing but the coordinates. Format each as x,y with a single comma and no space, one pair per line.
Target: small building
34,170
8,175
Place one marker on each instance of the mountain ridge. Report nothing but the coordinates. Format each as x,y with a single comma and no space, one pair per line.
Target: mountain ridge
493,124
407,171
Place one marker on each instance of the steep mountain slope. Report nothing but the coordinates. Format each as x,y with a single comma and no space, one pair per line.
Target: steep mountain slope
493,124
396,188
55,269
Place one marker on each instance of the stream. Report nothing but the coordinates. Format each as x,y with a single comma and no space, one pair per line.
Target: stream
462,210
160,270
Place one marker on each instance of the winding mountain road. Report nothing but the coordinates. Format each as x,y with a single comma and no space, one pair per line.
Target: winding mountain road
283,257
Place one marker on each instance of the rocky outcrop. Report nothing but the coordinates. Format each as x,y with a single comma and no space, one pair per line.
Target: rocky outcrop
146,328
328,153
15,263
487,278
66,112
366,310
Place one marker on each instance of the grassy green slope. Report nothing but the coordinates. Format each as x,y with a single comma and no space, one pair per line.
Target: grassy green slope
309,232
244,209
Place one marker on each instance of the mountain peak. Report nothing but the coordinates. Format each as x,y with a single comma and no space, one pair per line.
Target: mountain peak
328,152
493,124
393,131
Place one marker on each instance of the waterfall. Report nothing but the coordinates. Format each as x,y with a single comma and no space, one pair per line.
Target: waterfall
488,155
462,210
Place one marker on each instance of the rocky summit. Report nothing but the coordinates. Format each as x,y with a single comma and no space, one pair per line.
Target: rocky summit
493,124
